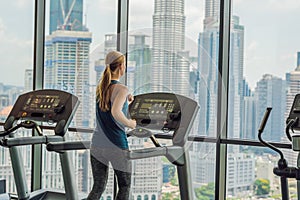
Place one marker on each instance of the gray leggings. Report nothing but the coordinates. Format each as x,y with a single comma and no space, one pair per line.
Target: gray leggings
100,171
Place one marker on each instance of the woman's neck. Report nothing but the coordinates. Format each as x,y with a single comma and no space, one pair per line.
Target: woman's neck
115,77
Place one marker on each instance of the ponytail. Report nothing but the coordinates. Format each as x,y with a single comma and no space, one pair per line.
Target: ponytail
102,90
113,60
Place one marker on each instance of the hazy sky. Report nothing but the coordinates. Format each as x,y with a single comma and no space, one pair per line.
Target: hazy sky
271,32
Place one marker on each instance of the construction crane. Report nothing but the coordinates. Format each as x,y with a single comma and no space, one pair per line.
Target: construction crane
66,18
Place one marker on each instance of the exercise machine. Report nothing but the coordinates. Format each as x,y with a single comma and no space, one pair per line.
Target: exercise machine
283,170
166,113
157,113
30,111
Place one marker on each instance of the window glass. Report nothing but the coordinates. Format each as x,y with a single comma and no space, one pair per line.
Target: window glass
264,65
263,72
16,52
250,173
16,49
203,165
173,47
78,35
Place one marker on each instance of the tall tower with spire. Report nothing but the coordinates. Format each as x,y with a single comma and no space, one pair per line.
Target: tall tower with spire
170,70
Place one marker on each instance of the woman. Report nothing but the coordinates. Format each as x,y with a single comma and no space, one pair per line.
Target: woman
109,142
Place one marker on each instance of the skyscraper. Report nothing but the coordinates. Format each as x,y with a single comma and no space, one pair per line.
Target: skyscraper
170,69
67,54
140,54
67,68
268,93
66,15
293,88
236,84
212,9
28,80
208,48
293,85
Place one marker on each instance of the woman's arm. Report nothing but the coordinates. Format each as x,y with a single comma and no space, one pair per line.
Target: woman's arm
120,96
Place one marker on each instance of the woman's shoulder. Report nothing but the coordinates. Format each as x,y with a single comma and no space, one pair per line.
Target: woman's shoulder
120,86
116,88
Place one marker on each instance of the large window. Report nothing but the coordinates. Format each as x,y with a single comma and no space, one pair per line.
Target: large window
263,69
177,46
264,60
173,47
78,36
16,49
16,52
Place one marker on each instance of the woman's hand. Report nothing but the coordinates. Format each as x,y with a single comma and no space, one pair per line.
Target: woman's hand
130,98
132,123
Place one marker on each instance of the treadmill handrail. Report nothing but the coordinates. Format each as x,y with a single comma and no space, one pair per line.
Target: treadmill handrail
68,145
146,153
10,142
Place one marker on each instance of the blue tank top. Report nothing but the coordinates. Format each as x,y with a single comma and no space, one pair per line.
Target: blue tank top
109,132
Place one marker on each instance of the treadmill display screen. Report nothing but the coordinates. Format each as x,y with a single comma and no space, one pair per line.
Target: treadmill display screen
155,111
152,108
45,103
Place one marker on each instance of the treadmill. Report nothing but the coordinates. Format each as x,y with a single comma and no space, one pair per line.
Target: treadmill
30,111
157,113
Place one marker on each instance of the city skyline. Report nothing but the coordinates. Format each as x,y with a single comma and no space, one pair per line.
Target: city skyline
207,63
272,54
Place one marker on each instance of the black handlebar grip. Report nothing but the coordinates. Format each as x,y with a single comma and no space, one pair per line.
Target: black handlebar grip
265,119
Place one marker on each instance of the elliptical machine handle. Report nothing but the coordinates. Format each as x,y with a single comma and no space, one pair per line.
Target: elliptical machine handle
261,129
265,119
282,163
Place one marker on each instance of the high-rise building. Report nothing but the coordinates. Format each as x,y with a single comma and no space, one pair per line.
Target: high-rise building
249,129
268,93
66,15
67,55
208,57
236,83
208,47
28,80
248,117
293,85
208,71
67,68
170,69
212,9
240,173
147,181
139,54
293,88
110,44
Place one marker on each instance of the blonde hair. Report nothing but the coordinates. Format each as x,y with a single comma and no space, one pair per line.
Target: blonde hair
112,61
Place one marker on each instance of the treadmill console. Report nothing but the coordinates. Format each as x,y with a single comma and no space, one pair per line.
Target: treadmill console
51,106
157,111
